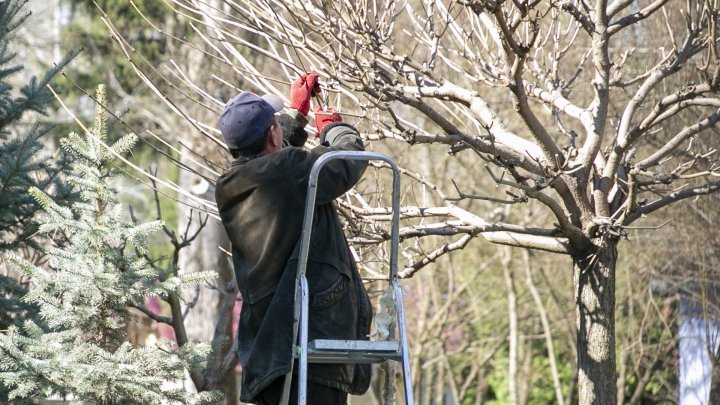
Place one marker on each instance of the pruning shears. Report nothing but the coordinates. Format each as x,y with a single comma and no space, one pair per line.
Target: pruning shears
324,95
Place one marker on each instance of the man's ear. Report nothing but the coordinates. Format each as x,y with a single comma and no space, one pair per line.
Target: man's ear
271,139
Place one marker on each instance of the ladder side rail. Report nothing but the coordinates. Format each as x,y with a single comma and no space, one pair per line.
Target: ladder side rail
399,299
296,320
395,222
302,372
302,286
299,314
402,331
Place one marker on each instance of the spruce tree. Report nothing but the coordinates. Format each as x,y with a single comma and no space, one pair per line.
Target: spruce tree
23,163
25,160
84,293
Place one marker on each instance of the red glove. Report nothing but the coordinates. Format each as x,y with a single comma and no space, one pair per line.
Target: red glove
302,89
323,118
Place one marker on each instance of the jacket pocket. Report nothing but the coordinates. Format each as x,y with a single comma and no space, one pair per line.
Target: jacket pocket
332,294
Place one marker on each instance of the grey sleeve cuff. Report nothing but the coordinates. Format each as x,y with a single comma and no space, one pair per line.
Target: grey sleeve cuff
337,132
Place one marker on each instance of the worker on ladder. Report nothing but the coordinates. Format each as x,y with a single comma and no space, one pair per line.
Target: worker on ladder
261,201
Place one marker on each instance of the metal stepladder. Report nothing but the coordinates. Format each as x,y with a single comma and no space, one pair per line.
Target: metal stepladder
346,351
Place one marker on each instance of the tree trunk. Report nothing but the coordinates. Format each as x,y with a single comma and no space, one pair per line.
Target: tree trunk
594,276
208,320
208,306
202,255
714,397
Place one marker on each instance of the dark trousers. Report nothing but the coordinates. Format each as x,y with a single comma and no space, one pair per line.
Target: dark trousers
317,394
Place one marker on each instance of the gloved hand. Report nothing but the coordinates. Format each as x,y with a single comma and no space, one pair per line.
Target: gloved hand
323,118
302,89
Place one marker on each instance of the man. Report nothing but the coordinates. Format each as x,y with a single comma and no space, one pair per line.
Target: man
261,200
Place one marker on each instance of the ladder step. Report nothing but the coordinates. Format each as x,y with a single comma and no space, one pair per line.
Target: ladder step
353,351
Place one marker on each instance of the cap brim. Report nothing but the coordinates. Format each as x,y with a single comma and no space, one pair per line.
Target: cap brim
275,102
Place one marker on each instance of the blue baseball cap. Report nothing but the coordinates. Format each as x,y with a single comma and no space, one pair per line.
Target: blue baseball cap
247,117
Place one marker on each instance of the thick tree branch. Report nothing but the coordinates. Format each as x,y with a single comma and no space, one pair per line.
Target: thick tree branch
623,140
557,101
617,6
635,17
599,106
671,105
583,19
488,119
554,245
516,54
434,255
451,228
678,140
675,197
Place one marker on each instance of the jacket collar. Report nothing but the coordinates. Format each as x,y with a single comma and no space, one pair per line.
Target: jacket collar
241,160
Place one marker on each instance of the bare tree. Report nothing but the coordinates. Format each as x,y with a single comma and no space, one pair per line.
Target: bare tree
568,106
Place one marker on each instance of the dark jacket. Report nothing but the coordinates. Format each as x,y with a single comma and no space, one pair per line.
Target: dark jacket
261,203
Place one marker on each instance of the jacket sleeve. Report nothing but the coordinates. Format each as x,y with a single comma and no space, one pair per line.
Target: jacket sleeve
337,176
293,128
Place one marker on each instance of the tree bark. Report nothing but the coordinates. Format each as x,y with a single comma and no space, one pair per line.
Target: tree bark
714,397
594,276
